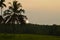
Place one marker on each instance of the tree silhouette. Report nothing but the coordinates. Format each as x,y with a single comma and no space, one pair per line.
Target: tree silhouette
2,5
15,13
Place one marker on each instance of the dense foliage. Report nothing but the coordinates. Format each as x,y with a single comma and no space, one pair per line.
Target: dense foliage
30,29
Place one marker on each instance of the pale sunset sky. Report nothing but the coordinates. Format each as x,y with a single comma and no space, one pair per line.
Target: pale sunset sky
41,11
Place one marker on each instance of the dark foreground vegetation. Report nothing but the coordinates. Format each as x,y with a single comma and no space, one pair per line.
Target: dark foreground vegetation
30,29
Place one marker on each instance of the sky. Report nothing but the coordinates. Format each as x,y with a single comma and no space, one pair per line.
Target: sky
41,11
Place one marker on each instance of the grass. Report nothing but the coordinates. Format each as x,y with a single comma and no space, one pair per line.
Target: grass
27,37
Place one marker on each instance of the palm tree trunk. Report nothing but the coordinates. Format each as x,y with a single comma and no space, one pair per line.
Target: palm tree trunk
13,18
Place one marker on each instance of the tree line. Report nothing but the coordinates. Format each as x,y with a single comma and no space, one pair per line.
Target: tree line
30,29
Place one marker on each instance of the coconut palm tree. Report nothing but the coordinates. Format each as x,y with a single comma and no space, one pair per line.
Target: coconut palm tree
15,13
2,5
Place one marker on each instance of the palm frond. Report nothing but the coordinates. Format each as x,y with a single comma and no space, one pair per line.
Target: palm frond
13,19
1,6
7,12
14,3
6,18
19,4
21,19
9,2
10,7
22,10
2,0
4,4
